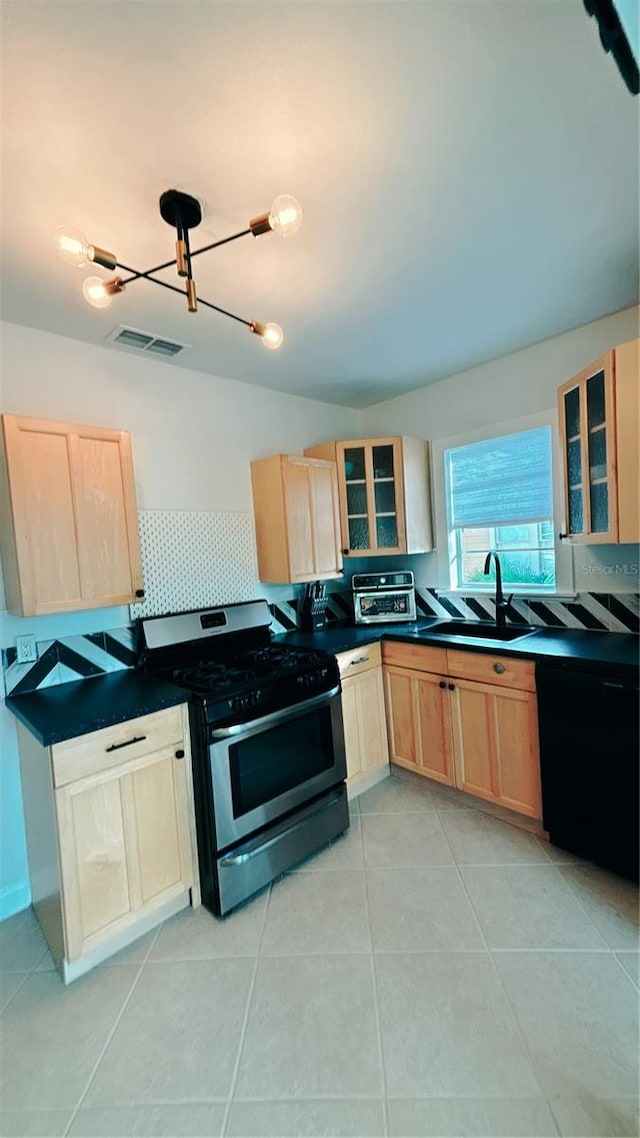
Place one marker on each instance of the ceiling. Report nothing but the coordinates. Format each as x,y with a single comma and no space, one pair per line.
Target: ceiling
468,171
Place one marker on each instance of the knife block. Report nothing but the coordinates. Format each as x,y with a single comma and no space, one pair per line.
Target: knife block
314,615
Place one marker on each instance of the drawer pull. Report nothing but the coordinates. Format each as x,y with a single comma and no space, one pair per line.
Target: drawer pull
499,669
442,684
117,746
359,660
452,687
180,754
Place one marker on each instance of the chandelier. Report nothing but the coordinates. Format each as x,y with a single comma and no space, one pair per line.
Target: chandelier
183,212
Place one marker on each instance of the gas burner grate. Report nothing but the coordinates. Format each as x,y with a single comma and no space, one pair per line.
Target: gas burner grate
206,676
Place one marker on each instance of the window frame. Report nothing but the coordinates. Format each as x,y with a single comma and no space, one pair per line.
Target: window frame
563,553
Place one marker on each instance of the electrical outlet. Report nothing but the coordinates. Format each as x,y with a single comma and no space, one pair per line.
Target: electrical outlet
26,649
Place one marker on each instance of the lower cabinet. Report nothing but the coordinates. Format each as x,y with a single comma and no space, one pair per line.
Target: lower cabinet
364,716
110,834
466,719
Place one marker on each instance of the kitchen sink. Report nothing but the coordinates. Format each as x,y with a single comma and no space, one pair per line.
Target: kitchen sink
479,630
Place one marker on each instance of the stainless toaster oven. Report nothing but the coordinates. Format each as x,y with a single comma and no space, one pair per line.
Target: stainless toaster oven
383,597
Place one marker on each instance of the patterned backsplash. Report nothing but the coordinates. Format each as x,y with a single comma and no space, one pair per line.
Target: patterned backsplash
95,654
604,612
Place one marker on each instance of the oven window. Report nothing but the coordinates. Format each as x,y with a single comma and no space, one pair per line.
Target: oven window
277,760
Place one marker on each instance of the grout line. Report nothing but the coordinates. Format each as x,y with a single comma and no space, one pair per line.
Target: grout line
616,953
376,1001
245,1021
502,985
104,1049
119,1017
25,977
567,882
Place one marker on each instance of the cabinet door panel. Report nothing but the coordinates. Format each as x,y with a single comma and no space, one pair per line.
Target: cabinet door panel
350,721
326,524
103,545
298,509
474,740
44,517
401,718
157,823
93,856
435,729
372,728
518,752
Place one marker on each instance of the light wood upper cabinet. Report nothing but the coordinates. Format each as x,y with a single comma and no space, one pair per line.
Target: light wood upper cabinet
363,713
466,719
385,494
110,834
69,533
295,502
600,430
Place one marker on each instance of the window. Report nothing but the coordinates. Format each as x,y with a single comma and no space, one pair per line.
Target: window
499,495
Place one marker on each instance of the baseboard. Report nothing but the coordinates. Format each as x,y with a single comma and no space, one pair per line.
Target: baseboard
14,898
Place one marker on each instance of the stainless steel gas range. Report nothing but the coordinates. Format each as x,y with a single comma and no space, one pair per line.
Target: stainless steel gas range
267,743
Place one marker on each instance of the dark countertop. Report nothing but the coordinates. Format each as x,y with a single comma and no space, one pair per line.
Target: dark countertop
77,708
65,711
577,646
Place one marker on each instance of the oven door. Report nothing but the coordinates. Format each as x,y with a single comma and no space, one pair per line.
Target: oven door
263,769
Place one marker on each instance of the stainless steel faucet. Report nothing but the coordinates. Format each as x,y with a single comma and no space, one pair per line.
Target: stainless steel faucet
502,603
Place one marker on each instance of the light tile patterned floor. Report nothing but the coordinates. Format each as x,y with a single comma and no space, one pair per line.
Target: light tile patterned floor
436,971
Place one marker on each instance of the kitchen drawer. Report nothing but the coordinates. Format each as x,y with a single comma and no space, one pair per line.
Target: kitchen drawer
504,671
421,657
102,750
359,660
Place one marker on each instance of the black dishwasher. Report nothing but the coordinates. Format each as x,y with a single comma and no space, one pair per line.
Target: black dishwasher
589,755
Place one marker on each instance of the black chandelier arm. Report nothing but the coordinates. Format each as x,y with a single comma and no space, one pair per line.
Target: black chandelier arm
135,275
181,291
215,244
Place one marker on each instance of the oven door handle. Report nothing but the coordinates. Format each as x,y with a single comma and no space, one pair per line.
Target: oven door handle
276,716
259,846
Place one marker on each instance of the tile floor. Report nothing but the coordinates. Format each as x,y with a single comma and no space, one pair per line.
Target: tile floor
436,971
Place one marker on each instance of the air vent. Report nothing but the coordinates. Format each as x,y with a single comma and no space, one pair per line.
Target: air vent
136,341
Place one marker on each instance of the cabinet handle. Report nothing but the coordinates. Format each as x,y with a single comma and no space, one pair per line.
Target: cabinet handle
345,552
499,668
117,746
180,754
452,687
562,536
360,660
139,592
442,684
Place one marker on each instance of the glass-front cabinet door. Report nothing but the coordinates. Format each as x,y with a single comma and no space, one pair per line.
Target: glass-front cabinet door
371,488
586,415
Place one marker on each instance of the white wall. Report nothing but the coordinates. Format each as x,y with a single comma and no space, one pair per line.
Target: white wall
518,384
193,438
507,388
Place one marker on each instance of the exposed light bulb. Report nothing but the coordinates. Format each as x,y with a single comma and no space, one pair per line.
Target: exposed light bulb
72,245
95,291
272,336
285,216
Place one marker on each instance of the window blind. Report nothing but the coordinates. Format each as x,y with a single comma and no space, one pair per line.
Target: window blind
500,481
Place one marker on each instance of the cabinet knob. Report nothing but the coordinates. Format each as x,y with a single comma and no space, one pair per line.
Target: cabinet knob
345,552
180,754
442,684
498,668
139,592
452,687
562,536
